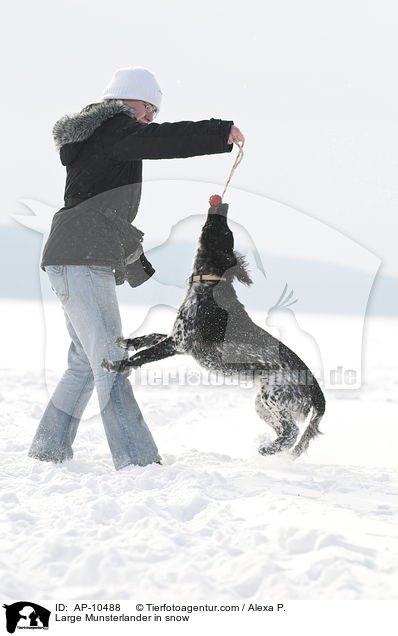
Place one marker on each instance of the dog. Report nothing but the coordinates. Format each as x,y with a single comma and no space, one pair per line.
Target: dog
215,329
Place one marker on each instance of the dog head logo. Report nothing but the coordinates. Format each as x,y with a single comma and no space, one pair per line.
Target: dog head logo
26,615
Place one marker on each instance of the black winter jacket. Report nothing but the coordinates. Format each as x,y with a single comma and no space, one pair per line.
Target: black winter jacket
102,148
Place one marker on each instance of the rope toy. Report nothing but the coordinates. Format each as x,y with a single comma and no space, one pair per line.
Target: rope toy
216,199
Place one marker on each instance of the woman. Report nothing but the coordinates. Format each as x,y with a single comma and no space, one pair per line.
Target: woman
93,246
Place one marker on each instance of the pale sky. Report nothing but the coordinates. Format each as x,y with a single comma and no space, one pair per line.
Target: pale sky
311,84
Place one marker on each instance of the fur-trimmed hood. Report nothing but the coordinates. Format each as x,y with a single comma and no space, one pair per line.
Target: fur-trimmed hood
76,128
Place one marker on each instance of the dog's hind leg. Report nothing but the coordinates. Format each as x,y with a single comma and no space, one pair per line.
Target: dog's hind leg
270,409
141,341
265,413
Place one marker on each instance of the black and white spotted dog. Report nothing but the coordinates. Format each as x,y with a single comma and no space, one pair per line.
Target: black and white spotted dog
213,326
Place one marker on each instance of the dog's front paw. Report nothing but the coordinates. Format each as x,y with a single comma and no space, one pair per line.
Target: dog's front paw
125,343
114,367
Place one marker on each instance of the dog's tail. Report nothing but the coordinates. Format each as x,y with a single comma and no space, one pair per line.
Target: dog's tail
312,430
318,410
318,406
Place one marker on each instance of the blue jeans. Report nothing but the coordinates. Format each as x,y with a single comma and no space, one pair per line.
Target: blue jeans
88,296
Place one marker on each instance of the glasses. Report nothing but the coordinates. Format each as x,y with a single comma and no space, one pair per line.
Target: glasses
150,109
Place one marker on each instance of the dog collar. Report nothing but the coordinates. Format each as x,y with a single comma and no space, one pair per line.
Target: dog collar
199,277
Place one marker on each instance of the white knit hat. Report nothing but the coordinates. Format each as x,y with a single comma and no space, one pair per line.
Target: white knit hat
134,83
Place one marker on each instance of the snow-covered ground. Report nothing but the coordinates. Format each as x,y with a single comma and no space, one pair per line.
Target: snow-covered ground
216,520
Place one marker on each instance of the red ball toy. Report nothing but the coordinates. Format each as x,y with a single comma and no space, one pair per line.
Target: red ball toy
215,200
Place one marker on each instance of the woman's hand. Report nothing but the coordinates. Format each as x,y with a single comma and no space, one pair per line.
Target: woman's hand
235,135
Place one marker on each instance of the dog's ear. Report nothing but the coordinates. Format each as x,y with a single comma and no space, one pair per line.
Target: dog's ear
240,269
